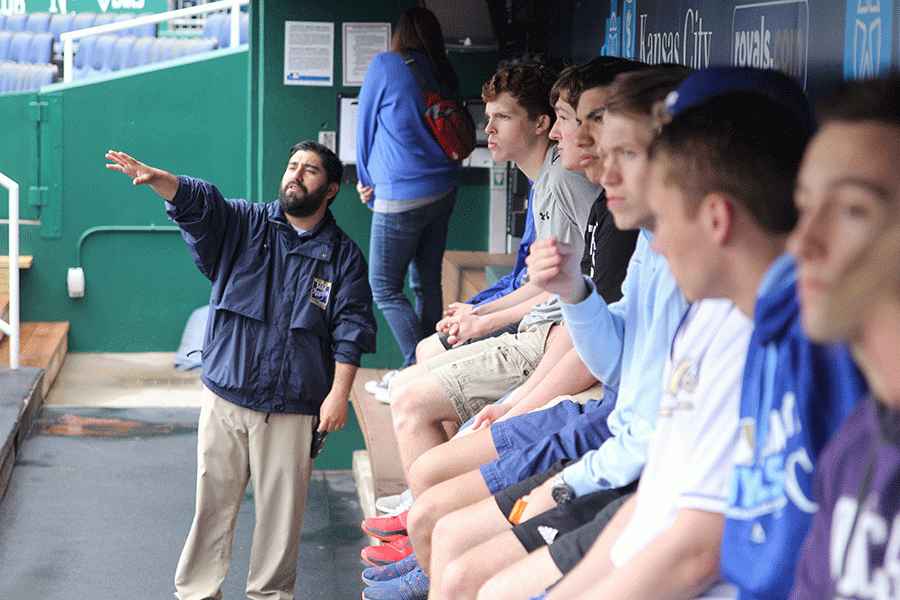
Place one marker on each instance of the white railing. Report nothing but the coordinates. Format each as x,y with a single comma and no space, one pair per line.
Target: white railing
68,38
12,328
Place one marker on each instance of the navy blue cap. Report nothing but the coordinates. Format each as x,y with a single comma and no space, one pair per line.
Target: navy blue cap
707,84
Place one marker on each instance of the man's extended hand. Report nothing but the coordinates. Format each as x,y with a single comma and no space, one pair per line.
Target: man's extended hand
540,500
163,183
489,415
553,267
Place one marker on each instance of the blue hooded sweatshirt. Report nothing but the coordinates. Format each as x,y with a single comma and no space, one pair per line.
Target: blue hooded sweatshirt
794,396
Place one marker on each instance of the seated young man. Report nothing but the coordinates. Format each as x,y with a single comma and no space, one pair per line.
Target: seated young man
649,314
847,243
720,193
473,544
455,385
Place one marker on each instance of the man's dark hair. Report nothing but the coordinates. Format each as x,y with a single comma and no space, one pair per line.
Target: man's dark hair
642,92
334,169
528,83
871,100
741,144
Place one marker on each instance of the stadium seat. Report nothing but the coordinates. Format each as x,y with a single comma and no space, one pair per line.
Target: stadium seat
38,22
21,77
212,27
16,22
161,49
83,20
19,46
105,19
5,39
42,75
120,57
82,56
41,49
148,30
60,23
245,28
140,54
2,21
202,45
100,54
7,69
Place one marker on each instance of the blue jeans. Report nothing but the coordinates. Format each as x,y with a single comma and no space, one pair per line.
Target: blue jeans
413,240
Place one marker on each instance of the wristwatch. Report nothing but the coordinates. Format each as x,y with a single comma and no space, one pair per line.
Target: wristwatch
561,491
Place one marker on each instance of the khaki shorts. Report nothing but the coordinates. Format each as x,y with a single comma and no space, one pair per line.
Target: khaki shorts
480,373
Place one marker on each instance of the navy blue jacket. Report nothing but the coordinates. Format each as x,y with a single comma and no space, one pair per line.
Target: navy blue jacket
284,307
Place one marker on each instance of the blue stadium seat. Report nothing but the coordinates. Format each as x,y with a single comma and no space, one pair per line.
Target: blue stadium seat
41,49
105,19
83,20
16,22
120,57
202,45
100,55
5,40
148,30
61,23
140,54
2,21
212,27
21,77
6,75
245,28
161,49
82,56
38,22
18,47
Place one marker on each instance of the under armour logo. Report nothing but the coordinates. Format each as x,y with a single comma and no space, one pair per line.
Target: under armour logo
544,215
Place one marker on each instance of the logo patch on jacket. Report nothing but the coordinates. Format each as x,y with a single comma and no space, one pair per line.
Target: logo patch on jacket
321,292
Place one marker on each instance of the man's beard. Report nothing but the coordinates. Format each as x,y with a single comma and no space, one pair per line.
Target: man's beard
303,205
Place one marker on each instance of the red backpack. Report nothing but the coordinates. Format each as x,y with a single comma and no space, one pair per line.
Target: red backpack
449,121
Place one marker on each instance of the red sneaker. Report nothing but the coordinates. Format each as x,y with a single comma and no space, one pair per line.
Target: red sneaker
386,529
385,554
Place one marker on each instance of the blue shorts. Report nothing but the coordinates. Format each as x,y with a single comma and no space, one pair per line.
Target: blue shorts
529,444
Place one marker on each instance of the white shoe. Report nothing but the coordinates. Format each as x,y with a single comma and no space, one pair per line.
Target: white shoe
394,505
380,384
383,396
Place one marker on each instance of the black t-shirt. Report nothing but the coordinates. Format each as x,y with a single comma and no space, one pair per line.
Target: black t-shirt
607,251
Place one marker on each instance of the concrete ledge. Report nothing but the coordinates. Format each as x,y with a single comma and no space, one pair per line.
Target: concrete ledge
20,400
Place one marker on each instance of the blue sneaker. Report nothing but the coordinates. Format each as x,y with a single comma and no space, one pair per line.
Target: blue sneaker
411,586
376,575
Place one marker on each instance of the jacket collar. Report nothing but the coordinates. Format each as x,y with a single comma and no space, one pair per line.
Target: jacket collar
776,304
318,242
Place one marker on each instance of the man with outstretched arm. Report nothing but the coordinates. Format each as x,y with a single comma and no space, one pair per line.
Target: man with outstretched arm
290,316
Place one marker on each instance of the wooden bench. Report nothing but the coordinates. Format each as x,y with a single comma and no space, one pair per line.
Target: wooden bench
377,469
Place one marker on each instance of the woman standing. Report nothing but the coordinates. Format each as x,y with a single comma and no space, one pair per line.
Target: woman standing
406,178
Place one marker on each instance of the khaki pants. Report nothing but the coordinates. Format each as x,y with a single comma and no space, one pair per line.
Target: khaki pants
234,443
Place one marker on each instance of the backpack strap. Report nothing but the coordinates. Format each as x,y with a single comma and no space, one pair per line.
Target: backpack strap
416,71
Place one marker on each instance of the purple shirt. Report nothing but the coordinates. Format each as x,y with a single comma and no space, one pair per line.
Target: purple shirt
855,552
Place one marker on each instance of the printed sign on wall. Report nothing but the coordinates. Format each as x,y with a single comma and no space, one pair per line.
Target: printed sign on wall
772,35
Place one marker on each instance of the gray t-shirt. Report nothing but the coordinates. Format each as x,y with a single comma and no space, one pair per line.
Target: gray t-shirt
561,204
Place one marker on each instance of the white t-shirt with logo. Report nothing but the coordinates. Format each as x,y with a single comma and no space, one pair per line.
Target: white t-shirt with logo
690,455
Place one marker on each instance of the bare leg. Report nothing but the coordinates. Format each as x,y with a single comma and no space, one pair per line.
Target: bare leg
465,574
428,348
419,405
463,492
456,457
525,579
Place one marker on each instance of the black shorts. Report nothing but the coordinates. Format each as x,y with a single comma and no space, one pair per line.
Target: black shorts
507,497
587,510
511,328
569,548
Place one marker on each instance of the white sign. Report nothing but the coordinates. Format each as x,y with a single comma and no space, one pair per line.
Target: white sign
308,53
362,41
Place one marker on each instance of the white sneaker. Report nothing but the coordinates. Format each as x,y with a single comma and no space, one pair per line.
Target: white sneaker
394,505
383,396
380,384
